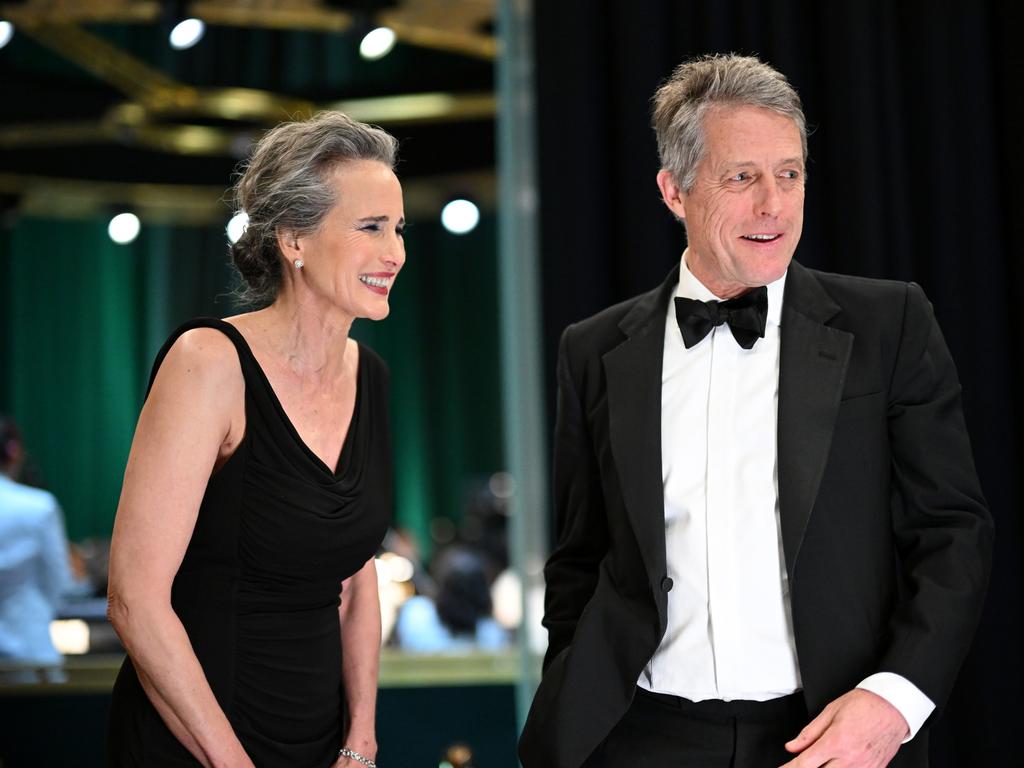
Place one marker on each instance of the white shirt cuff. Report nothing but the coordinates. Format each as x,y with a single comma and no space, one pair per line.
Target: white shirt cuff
902,694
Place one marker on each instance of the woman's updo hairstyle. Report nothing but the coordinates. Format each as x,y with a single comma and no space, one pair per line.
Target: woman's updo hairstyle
285,186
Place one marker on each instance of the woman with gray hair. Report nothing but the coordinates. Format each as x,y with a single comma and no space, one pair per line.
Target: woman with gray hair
258,487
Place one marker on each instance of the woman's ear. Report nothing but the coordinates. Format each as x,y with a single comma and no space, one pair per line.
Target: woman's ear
288,243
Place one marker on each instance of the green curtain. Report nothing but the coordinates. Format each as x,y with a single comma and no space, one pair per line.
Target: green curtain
72,360
84,318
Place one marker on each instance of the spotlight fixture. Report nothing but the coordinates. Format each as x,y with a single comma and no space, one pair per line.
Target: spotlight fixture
187,33
377,43
237,226
6,33
124,228
70,636
460,216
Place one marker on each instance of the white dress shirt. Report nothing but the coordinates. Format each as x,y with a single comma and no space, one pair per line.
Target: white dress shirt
730,631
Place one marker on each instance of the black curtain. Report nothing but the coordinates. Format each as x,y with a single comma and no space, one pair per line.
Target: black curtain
915,171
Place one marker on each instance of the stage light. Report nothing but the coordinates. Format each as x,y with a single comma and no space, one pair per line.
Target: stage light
6,33
398,568
124,228
460,217
187,33
502,485
507,599
377,43
70,636
392,567
237,226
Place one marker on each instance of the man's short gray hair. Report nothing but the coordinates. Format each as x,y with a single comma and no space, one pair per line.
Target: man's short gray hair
718,80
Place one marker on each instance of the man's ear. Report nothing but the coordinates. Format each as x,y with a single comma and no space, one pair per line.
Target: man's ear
671,194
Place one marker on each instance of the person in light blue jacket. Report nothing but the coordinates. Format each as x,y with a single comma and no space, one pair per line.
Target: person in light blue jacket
34,569
460,619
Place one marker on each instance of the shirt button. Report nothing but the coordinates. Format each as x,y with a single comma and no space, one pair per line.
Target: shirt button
666,584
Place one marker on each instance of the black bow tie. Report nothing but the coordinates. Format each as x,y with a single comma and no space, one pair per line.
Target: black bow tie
746,316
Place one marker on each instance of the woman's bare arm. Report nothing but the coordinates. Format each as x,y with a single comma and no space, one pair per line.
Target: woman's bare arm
194,411
360,639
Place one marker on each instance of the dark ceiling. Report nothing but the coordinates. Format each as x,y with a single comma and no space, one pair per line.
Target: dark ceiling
87,101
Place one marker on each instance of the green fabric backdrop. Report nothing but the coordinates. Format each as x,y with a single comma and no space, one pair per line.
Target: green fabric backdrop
83,319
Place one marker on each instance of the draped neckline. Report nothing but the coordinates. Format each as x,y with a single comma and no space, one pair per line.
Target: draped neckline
340,465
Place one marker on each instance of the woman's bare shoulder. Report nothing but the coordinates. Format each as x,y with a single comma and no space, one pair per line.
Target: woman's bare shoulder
206,351
202,361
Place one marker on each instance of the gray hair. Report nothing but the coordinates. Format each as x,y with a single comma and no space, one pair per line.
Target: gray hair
718,80
285,186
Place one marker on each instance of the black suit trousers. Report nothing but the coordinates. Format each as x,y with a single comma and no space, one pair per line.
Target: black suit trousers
668,732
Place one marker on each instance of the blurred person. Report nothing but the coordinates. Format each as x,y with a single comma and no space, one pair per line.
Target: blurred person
485,522
258,486
34,569
460,617
403,543
772,544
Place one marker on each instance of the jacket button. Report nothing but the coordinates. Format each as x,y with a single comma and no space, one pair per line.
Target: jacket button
666,584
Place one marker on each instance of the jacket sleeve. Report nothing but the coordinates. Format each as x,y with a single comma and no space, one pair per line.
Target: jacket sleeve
55,576
941,521
581,528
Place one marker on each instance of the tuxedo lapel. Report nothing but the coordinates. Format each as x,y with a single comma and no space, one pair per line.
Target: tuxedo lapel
633,375
812,370
813,364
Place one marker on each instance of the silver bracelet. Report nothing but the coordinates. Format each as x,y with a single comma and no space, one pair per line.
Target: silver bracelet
351,754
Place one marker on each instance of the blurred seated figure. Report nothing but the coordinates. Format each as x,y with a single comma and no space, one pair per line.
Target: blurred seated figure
34,569
460,619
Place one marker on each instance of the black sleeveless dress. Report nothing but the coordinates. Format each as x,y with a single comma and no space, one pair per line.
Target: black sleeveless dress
258,589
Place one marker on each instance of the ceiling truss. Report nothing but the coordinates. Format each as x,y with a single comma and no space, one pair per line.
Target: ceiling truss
157,110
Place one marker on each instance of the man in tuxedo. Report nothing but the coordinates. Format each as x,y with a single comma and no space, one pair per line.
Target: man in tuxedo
772,546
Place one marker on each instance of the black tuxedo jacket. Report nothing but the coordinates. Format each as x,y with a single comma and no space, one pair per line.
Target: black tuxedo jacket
886,534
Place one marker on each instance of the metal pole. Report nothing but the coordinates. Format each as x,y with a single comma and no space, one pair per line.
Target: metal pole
520,330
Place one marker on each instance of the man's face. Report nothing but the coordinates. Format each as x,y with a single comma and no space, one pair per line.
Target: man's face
745,211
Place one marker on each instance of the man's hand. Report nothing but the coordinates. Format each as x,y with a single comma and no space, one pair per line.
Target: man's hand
860,729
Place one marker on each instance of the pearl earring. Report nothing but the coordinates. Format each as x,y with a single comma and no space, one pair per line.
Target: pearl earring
299,263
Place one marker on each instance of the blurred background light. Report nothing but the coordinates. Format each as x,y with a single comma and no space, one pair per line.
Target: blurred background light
502,485
377,43
507,596
187,33
6,33
402,568
236,226
460,217
124,228
392,567
70,636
